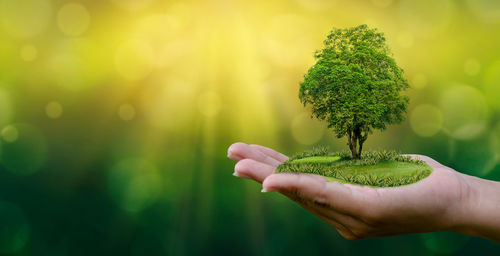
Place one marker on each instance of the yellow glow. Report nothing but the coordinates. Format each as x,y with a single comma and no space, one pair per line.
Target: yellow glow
133,60
54,109
126,112
465,112
305,130
73,19
250,94
28,53
317,5
132,5
286,37
10,133
405,39
425,17
169,104
209,104
383,3
419,81
426,120
163,35
472,67
25,18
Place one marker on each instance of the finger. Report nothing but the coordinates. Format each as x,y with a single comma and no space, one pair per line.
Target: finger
272,153
251,169
240,150
337,196
431,162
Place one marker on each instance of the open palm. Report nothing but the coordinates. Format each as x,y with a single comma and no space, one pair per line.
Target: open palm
432,204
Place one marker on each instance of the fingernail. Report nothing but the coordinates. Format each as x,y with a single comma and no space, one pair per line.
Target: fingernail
264,190
233,157
236,174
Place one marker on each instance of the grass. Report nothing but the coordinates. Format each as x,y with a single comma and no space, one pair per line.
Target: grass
317,159
375,168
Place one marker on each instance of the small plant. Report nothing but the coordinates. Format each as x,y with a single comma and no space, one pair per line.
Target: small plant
355,85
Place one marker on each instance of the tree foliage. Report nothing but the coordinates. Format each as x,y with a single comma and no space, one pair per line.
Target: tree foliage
355,85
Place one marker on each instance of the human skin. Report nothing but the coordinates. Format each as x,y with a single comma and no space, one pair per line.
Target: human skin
444,201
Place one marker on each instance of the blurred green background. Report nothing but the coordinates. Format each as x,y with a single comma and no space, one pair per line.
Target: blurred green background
115,117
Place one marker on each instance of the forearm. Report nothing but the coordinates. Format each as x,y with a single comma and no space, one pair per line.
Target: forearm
481,210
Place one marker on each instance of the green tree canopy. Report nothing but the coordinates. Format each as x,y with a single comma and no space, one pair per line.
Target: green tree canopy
355,85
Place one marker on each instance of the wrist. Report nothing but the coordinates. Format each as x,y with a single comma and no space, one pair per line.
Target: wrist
477,211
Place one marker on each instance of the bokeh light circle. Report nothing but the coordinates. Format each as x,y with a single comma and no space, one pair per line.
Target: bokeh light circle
54,109
27,153
465,112
472,67
126,112
306,130
425,17
133,60
10,133
28,53
5,107
67,71
209,104
426,120
15,229
73,19
492,84
134,183
25,18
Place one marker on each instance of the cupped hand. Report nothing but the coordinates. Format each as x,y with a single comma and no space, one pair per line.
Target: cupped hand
436,203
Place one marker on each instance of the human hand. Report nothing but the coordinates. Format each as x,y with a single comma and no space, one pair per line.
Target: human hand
443,201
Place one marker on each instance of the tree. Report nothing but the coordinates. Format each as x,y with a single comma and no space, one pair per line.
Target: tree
355,85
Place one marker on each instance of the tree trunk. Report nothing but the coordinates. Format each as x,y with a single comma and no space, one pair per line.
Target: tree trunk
360,147
362,139
353,144
356,138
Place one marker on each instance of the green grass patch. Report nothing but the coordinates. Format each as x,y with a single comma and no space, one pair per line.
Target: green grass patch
375,168
317,159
